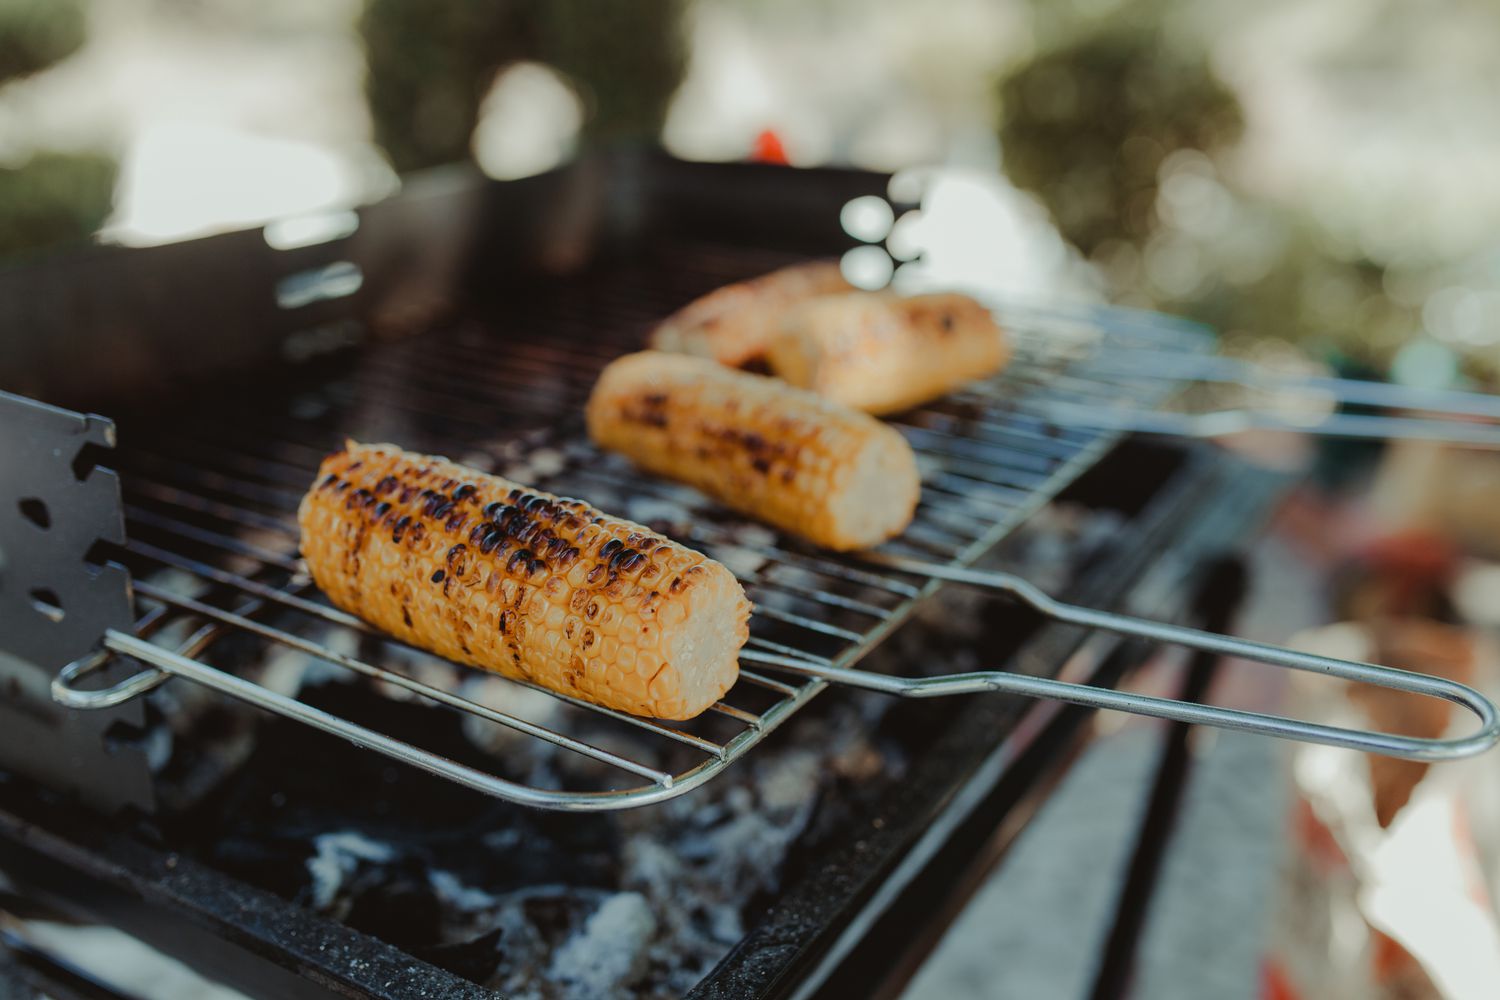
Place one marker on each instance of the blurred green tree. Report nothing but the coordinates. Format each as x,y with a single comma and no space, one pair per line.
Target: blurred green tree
35,34
52,197
430,65
1088,125
1124,132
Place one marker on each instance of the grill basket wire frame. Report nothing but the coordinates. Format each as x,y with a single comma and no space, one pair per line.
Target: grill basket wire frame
1468,419
983,451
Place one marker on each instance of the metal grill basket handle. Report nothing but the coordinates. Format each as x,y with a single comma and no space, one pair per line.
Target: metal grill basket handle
1470,419
1370,741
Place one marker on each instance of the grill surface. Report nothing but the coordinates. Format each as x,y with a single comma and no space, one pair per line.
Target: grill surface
211,495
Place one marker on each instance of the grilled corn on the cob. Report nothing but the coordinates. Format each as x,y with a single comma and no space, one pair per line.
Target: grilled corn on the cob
883,354
485,572
810,466
735,324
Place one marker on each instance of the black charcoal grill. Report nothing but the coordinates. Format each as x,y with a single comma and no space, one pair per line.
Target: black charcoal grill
469,319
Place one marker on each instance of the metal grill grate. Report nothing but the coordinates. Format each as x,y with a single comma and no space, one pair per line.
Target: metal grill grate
211,502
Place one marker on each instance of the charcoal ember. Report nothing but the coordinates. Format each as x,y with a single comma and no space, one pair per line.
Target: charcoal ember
278,864
704,865
399,904
269,818
475,960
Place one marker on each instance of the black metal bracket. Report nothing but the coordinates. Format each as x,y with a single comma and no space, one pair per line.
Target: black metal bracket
58,596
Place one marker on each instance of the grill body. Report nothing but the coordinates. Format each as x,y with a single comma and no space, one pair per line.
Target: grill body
243,363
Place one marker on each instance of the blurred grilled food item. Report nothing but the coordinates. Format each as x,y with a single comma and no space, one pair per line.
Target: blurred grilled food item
883,354
735,324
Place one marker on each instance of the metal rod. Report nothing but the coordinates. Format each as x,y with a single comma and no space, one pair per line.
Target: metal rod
137,515
1174,365
748,718
261,697
1388,744
1223,423
116,642
406,683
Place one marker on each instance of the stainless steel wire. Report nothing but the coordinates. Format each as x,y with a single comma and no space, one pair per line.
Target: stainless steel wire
1135,348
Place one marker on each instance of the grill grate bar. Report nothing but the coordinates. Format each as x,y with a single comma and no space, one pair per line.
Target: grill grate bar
780,649
139,515
834,600
748,718
243,583
163,493
804,622
768,683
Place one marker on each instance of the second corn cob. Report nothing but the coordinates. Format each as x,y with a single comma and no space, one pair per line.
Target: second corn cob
812,467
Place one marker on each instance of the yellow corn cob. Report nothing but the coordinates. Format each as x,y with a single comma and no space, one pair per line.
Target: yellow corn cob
833,475
883,354
484,572
735,324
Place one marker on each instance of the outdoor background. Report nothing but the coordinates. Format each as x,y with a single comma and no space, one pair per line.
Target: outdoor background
1319,172
1319,181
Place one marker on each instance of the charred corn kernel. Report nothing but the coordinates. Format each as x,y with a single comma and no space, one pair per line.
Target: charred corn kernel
488,573
835,476
735,324
883,354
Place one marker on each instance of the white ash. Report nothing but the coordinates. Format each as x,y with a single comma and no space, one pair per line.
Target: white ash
460,898
157,745
519,472
423,668
561,942
175,580
548,461
514,699
608,954
478,460
287,671
698,861
742,562
654,510
336,857
753,535
688,868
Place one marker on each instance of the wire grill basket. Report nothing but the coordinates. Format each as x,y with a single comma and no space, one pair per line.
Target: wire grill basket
210,509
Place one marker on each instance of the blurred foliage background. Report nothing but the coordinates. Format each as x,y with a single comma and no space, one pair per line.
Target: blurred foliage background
47,197
431,65
1319,173
1127,134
